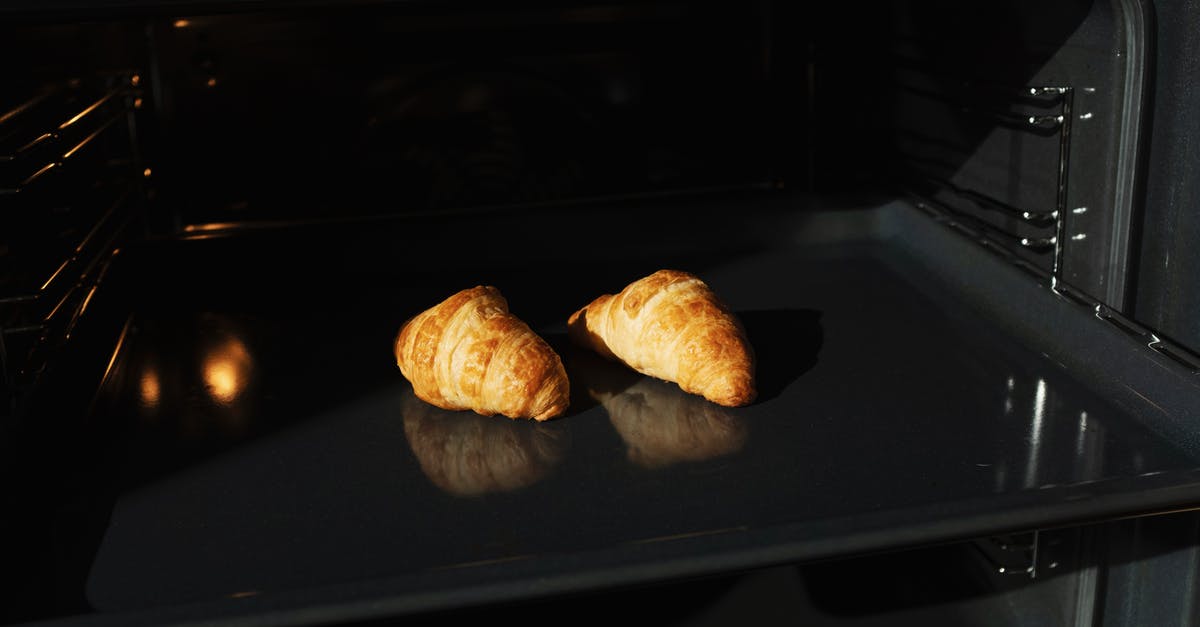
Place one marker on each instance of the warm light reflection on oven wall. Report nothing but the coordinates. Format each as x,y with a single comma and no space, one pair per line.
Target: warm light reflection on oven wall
150,387
226,370
195,378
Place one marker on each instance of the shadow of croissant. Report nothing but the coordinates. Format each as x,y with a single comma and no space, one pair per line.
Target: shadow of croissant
466,454
787,344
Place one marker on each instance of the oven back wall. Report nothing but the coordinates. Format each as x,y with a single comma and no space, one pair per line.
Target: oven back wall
338,113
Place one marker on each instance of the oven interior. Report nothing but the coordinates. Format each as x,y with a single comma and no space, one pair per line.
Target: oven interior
930,216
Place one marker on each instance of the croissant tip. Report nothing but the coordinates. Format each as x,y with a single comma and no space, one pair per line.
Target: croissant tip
553,412
732,403
733,396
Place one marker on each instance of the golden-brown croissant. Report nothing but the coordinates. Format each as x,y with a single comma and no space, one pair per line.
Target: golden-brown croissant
469,352
671,326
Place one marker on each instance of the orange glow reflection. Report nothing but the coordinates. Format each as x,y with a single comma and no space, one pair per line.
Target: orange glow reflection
211,226
227,370
182,23
150,388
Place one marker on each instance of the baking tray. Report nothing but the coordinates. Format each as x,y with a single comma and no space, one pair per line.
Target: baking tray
226,437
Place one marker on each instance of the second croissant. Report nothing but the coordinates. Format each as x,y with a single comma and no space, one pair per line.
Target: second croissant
671,326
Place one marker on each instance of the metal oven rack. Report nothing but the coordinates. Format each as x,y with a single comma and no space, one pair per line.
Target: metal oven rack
948,176
69,171
1032,237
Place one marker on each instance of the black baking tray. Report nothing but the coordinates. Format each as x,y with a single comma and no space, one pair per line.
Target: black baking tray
226,437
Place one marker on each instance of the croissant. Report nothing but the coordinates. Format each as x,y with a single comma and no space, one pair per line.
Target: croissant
469,352
671,326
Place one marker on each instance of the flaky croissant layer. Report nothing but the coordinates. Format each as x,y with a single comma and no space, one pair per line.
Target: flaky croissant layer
671,326
469,352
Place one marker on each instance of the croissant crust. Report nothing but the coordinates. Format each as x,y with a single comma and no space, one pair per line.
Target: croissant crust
469,352
671,326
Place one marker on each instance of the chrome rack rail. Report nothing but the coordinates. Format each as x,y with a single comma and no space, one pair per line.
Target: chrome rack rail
1016,554
1176,352
67,183
995,235
1038,230
78,130
1008,245
1049,123
983,201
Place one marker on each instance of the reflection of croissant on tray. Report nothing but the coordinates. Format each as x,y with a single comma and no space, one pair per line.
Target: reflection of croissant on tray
663,425
466,454
660,424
